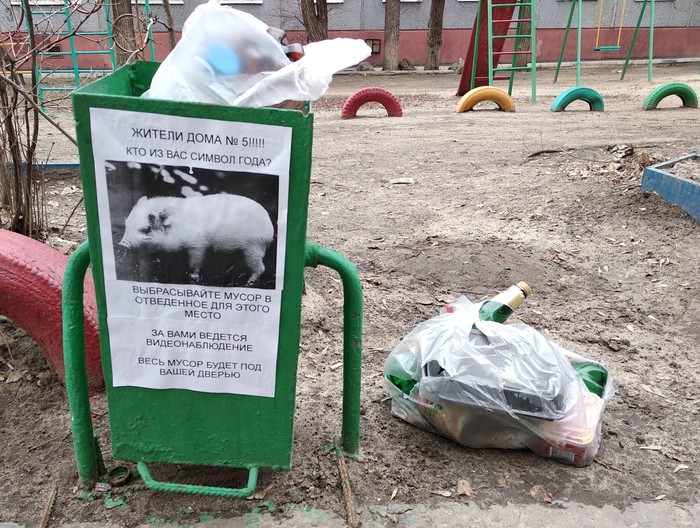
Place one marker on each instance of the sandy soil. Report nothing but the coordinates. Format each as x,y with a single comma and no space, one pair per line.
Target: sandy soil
550,198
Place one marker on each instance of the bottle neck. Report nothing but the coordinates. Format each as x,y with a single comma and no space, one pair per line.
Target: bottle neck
512,297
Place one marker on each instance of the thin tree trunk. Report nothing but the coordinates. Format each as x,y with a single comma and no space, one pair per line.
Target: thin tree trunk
171,23
392,24
432,54
124,34
315,19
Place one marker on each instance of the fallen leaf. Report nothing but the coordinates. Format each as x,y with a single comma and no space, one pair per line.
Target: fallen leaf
680,467
442,493
660,497
424,302
260,495
630,328
15,376
393,494
464,487
501,482
538,492
653,390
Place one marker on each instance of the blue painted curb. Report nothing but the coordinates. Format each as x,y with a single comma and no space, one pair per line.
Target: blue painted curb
674,189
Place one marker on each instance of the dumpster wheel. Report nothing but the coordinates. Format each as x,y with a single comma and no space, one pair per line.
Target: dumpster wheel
372,94
685,92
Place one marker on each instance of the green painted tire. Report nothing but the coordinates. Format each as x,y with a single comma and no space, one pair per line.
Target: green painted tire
578,93
685,92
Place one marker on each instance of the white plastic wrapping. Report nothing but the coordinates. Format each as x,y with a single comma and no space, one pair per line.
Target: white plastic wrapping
500,386
227,56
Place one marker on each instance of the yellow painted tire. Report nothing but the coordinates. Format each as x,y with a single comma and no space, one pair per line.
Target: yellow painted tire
485,93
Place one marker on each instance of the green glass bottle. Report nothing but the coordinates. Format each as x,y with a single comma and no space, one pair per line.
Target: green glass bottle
594,376
502,305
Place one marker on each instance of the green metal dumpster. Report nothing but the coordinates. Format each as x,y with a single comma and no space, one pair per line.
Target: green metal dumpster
196,220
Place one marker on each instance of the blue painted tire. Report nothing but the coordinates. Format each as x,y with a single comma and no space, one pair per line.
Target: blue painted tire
578,93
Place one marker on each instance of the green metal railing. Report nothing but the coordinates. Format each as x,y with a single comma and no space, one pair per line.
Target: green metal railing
65,15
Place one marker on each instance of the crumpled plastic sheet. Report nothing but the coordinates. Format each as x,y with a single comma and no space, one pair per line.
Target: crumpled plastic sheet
227,57
500,386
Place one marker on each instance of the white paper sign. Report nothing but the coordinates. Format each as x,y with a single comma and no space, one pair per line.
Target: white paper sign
193,223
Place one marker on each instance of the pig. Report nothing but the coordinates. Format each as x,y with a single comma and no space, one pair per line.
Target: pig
223,222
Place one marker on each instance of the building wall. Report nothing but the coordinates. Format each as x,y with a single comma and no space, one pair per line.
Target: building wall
677,28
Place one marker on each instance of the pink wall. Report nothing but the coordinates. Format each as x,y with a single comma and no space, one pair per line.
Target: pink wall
668,43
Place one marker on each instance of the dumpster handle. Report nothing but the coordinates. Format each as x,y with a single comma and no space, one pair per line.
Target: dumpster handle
87,451
315,254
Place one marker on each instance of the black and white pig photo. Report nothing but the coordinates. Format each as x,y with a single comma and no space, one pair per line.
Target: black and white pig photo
182,225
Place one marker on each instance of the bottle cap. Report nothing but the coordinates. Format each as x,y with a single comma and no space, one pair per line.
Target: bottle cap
525,287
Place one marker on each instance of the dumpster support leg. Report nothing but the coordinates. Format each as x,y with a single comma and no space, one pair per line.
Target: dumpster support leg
87,451
314,255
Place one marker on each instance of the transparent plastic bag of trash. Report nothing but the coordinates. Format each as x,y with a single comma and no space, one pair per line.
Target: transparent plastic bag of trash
495,386
229,57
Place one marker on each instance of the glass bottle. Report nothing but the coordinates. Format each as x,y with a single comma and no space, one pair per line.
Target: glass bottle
500,307
594,375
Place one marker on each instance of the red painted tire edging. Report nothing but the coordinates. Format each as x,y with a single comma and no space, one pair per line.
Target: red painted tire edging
31,284
373,94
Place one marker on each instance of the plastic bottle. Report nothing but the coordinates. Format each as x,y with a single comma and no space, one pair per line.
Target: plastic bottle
500,307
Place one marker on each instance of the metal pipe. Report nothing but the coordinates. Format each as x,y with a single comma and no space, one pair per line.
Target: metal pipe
563,44
314,255
86,452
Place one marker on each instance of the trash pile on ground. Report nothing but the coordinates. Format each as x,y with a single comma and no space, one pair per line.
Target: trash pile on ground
466,376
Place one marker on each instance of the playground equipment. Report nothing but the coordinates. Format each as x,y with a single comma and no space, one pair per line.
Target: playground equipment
485,93
372,94
30,295
615,47
578,93
58,23
687,95
194,373
577,5
487,45
64,22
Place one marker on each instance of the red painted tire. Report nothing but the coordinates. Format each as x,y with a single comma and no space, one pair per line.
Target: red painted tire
31,277
388,100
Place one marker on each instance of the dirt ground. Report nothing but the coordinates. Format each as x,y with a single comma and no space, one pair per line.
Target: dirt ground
493,198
